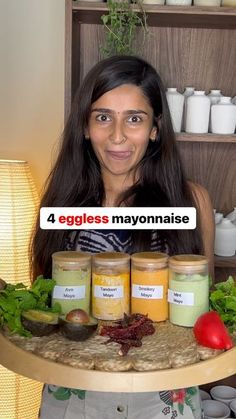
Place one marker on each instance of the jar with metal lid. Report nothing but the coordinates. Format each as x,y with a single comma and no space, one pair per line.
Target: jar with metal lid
72,273
188,293
149,284
110,285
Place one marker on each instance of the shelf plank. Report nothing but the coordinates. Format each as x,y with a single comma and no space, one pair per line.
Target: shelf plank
170,16
225,262
206,138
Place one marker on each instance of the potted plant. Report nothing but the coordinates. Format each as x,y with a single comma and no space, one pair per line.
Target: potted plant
123,22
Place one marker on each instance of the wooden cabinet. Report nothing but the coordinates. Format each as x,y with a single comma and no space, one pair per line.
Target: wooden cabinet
189,46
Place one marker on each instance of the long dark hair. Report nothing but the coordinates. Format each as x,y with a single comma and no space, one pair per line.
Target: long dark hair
75,180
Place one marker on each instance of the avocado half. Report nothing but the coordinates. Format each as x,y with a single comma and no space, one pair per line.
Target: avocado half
77,331
39,322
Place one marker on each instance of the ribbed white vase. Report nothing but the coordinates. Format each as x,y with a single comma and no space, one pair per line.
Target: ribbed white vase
223,116
197,113
225,238
188,91
176,105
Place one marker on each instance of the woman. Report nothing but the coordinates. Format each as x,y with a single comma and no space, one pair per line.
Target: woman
118,149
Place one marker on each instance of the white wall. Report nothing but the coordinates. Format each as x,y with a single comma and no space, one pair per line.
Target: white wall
32,36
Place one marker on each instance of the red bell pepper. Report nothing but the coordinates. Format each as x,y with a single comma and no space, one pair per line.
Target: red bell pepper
210,331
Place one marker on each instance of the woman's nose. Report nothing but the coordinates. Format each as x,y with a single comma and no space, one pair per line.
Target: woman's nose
117,135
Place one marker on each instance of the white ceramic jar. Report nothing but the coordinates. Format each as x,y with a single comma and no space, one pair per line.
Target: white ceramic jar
176,105
154,2
207,2
229,3
223,116
232,215
197,113
188,91
179,2
225,238
218,217
214,97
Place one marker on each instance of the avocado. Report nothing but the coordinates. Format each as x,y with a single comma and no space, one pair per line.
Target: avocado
39,322
77,331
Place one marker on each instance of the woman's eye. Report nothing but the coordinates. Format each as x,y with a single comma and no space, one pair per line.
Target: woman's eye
103,118
135,118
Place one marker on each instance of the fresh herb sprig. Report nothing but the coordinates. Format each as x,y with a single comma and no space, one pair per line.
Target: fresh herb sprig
121,24
223,300
17,298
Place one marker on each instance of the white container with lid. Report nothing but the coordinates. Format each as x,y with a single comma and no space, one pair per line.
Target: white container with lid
223,116
198,112
176,105
225,238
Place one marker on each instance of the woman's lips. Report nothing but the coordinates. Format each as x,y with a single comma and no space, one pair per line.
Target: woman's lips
119,155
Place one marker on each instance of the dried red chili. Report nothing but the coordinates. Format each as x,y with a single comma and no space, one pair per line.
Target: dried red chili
129,331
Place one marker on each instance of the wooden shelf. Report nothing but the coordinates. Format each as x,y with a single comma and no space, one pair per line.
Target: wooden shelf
206,138
168,16
225,262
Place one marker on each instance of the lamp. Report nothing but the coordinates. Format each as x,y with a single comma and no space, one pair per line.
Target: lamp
20,396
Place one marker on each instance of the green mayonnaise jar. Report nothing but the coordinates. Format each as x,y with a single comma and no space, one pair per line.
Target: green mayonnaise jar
188,293
72,273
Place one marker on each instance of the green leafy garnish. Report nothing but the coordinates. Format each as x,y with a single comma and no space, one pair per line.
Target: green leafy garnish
14,299
223,300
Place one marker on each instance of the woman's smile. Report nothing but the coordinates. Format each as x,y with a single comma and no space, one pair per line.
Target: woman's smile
119,155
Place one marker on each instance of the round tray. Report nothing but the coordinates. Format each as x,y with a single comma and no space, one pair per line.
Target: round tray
40,369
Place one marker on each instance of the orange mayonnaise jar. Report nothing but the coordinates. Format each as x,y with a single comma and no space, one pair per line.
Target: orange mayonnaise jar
110,285
149,285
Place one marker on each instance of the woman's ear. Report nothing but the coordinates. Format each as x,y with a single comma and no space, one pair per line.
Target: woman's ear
86,134
153,134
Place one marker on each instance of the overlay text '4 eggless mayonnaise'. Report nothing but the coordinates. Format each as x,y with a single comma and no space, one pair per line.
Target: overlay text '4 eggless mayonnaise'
110,285
188,293
72,273
149,285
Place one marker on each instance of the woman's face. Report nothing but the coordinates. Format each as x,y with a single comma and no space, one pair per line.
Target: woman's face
120,127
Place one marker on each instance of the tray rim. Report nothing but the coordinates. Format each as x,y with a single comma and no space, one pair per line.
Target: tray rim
40,369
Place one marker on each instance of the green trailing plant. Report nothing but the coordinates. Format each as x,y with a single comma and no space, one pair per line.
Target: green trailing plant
123,22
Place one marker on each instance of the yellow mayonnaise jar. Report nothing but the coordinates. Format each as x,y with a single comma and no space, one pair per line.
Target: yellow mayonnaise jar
149,285
110,285
72,273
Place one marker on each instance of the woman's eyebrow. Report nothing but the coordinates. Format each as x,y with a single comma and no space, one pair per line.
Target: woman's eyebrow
128,112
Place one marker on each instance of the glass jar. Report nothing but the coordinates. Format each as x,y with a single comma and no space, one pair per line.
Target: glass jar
72,273
188,293
149,283
110,285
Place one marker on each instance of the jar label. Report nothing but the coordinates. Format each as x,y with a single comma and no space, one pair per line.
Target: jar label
69,292
108,292
181,298
152,292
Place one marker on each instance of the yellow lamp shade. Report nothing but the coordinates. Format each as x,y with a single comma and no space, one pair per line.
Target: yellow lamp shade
20,396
